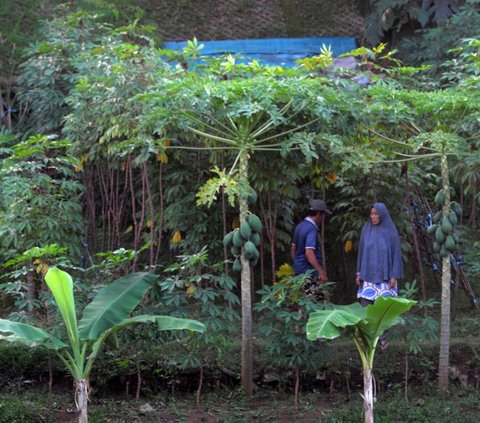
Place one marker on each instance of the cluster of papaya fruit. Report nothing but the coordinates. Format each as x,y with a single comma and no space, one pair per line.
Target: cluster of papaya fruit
247,236
443,227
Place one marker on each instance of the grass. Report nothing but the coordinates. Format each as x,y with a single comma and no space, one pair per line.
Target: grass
227,406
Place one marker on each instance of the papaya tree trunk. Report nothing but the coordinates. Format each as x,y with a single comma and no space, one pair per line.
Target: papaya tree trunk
368,396
443,363
81,400
246,297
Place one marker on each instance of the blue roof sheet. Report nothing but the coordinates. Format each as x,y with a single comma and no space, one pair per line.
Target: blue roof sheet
272,51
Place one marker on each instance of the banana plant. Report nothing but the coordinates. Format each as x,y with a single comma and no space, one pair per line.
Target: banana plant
364,326
108,313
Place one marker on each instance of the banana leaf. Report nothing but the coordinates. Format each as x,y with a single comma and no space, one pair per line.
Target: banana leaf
371,321
384,314
28,335
329,324
61,285
163,323
113,304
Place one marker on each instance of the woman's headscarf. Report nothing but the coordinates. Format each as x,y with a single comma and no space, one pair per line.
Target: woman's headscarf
380,255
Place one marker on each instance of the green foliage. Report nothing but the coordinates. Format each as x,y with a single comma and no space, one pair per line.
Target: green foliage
425,406
433,45
16,410
283,310
363,324
391,15
464,68
317,63
193,287
108,313
40,202
19,20
232,188
418,326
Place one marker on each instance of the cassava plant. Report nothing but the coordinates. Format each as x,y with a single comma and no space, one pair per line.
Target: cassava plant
283,310
193,287
108,313
364,326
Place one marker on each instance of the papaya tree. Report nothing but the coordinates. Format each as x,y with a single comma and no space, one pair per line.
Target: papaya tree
109,312
364,325
249,110
434,126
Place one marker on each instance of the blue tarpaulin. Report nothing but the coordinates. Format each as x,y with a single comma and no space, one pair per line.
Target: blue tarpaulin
272,51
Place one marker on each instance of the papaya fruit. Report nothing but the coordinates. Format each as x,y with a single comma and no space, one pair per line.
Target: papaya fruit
447,227
257,254
236,251
440,198
249,249
245,230
431,229
450,243
252,197
255,238
443,251
237,239
255,223
237,265
457,208
439,235
452,217
436,247
255,258
228,239
437,217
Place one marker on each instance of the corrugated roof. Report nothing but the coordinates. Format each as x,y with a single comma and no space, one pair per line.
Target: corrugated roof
272,51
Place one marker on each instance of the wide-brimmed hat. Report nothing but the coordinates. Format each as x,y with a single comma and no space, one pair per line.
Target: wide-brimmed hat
319,205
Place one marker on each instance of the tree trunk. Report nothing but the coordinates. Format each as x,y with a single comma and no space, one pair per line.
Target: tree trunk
418,258
246,297
443,363
199,388
406,376
81,400
31,286
297,385
473,212
368,394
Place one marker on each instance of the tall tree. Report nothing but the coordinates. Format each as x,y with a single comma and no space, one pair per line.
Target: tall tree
433,128
244,116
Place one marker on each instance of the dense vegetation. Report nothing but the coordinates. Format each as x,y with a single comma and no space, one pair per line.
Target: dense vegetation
118,156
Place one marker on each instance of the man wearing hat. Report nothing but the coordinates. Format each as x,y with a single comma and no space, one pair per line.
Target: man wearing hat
306,247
